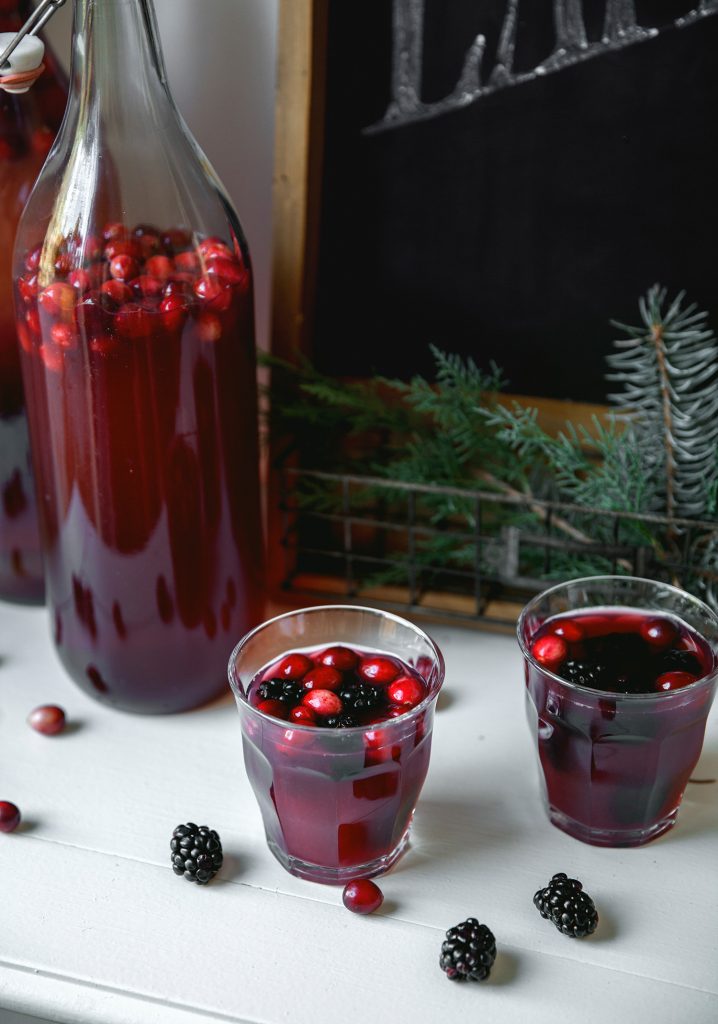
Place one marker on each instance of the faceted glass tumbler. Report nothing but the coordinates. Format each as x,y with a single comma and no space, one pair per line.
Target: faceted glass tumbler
337,804
614,766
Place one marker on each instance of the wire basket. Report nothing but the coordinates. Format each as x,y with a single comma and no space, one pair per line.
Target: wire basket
368,539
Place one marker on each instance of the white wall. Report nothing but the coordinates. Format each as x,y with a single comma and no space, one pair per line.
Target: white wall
221,57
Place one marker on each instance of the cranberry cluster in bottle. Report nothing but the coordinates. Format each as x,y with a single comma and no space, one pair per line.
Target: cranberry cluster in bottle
337,688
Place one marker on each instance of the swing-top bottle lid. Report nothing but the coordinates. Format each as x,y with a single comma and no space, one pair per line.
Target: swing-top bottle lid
25,58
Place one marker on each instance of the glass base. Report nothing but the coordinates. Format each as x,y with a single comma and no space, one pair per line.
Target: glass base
338,875
611,837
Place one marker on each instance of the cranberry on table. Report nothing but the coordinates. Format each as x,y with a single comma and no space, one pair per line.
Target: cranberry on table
323,677
362,896
550,651
406,691
9,816
48,719
674,680
293,666
324,702
378,670
341,658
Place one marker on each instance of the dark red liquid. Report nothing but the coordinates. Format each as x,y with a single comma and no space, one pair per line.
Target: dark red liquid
143,422
27,129
617,750
339,799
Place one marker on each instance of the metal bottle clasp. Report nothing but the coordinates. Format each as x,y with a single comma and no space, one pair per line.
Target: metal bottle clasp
39,17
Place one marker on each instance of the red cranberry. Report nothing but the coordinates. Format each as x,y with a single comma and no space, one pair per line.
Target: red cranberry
42,140
187,262
324,702
32,319
150,245
58,299
63,265
27,286
341,658
160,267
80,280
659,633
177,285
104,344
275,708
128,247
209,328
227,270
32,260
213,293
114,230
177,239
323,677
378,670
292,666
569,630
133,321
211,247
9,816
92,247
117,292
674,680
303,715
147,286
124,267
51,358
362,896
48,719
406,691
550,651
174,309
63,335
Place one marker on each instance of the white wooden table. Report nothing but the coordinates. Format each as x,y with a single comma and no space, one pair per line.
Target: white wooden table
95,927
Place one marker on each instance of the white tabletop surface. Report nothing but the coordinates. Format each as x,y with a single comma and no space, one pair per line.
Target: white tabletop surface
95,927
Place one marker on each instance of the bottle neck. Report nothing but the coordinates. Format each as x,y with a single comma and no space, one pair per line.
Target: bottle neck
117,64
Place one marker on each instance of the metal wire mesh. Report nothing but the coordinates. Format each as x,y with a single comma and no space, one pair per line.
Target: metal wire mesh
367,538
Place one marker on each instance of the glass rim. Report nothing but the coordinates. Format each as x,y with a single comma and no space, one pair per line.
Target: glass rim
354,729
657,695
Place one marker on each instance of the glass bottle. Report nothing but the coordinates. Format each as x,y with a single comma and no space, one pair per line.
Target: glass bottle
28,123
139,368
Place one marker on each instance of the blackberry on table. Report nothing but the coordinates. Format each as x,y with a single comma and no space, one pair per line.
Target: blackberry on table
286,690
564,902
196,852
361,698
468,952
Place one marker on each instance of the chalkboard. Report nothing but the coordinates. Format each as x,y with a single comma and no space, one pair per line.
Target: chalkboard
500,177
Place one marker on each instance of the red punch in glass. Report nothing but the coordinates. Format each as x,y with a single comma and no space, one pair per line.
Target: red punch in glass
620,677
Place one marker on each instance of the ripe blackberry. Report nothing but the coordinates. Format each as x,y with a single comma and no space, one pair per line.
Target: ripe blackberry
343,721
196,852
286,690
583,673
361,698
564,902
468,952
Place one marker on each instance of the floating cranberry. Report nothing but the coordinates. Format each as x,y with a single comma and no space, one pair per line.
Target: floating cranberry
550,651
275,708
32,319
406,691
569,630
303,715
378,670
80,280
63,335
92,248
341,658
674,681
324,702
362,896
227,270
124,267
117,292
323,677
114,230
150,245
32,260
133,321
177,239
27,286
49,719
9,816
174,309
209,328
51,358
160,267
128,247
214,247
58,299
292,666
63,265
147,286
187,262
213,293
659,633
